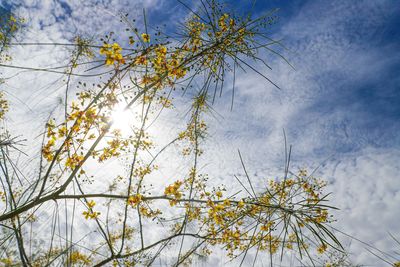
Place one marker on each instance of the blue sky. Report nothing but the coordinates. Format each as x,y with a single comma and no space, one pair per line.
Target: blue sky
340,106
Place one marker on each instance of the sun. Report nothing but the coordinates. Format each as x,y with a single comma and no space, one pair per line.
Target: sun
122,119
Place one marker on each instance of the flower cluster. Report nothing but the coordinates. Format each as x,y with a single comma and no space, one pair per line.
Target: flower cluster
146,37
173,190
134,200
3,105
225,221
112,53
67,141
89,213
195,29
78,258
9,27
196,129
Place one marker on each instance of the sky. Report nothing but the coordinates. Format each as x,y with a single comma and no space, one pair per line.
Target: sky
339,105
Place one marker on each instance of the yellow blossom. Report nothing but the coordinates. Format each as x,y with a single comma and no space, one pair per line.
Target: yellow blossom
91,204
112,53
173,190
90,214
134,200
146,37
322,248
78,258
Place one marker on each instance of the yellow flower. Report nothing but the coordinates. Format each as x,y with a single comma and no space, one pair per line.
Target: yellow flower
267,226
6,261
146,37
73,161
86,214
78,258
91,204
173,190
321,249
116,48
134,200
104,49
3,105
131,40
112,53
227,202
141,60
161,50
90,214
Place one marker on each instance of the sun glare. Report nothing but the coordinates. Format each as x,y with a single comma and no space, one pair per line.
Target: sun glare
122,119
